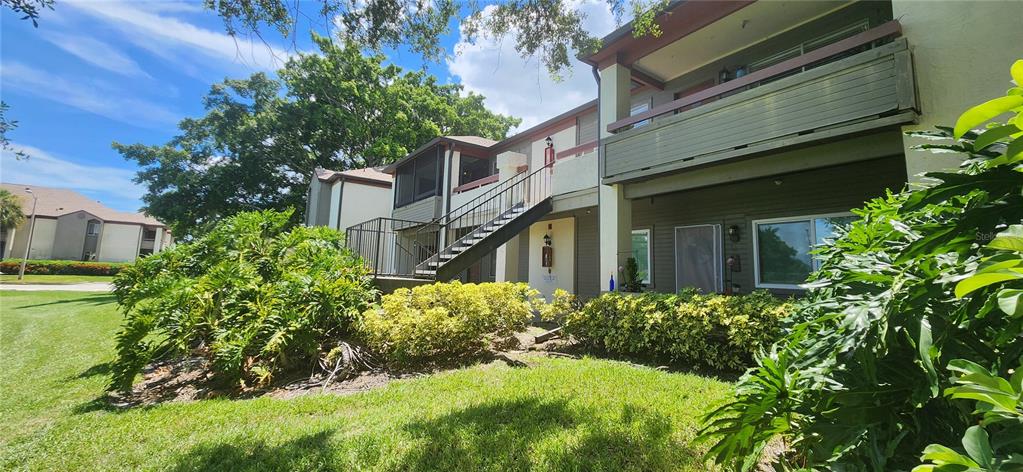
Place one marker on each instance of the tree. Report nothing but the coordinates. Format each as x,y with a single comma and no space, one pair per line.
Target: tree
6,126
550,30
28,8
11,213
261,138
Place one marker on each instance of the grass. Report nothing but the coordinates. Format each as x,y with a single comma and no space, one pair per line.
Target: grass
54,279
563,414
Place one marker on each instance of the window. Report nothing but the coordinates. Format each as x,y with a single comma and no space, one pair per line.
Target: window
92,229
417,179
472,168
641,251
640,107
806,46
149,234
783,247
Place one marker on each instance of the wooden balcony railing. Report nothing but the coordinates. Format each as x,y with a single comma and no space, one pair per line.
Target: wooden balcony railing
886,30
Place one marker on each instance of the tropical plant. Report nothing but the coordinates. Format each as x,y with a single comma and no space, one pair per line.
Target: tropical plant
911,290
252,297
631,280
717,331
443,321
11,213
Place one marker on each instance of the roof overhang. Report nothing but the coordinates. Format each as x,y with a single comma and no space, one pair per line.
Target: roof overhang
681,18
446,141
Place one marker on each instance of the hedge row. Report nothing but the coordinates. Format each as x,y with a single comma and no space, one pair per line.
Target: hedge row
446,321
717,331
48,267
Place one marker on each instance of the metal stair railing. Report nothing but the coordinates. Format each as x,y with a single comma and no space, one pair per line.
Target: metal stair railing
522,191
386,245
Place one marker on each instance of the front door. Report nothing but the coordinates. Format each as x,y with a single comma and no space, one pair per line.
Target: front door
698,257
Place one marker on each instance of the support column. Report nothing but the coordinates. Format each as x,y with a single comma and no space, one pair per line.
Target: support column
506,268
615,211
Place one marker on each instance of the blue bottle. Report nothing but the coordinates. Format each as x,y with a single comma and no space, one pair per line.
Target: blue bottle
611,284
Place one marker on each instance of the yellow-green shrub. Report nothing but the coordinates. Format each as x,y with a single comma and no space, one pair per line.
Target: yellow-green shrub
446,320
722,332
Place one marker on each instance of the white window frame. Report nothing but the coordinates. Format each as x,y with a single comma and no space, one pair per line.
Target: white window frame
719,250
641,106
814,262
649,253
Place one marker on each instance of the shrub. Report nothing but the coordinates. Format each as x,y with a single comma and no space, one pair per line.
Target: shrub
251,296
909,344
718,331
47,267
442,321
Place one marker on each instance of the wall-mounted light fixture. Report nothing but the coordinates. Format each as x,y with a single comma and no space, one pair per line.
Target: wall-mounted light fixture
733,233
549,141
724,75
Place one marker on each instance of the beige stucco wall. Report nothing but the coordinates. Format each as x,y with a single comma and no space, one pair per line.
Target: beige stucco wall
564,139
961,55
561,275
361,203
42,239
119,242
69,240
334,217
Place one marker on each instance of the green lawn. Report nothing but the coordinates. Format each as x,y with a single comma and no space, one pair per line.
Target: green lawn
560,415
54,279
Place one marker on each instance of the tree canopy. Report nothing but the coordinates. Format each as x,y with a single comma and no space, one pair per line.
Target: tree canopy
11,213
548,30
261,138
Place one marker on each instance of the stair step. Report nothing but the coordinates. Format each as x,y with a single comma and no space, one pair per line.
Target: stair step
447,256
426,272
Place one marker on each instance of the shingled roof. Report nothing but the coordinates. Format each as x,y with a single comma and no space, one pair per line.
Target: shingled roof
368,174
54,202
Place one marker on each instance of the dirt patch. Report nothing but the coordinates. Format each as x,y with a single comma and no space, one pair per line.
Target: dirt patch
190,379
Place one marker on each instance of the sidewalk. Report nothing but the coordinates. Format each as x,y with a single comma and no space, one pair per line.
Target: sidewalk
80,287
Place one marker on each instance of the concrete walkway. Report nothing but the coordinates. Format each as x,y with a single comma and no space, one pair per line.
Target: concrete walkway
81,287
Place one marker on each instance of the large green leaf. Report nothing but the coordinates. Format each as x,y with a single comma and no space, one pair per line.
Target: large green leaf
984,112
979,281
1011,302
1010,240
992,135
978,446
1016,71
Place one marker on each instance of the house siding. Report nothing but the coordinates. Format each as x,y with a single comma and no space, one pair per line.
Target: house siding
829,190
424,210
587,264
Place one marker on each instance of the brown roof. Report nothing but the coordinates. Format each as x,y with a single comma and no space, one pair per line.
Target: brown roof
475,140
371,174
54,202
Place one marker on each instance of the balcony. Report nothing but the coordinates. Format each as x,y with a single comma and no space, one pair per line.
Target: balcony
575,169
755,114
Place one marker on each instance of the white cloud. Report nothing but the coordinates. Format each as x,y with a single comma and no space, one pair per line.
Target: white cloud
175,39
93,96
97,53
522,87
111,185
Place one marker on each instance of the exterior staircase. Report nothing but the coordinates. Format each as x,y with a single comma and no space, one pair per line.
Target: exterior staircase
398,248
488,221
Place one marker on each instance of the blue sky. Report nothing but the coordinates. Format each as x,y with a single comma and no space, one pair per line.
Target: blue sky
95,72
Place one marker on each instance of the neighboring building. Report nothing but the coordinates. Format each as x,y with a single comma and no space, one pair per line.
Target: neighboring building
70,226
728,147
339,199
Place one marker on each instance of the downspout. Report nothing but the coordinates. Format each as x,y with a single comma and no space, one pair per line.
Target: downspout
600,170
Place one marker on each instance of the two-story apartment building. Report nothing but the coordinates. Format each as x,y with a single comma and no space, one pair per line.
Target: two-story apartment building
763,123
718,154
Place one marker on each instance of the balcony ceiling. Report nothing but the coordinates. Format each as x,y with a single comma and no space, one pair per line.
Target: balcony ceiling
750,25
